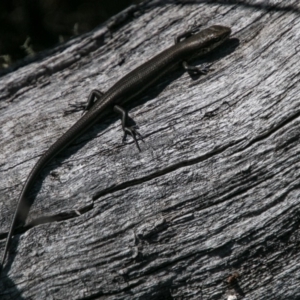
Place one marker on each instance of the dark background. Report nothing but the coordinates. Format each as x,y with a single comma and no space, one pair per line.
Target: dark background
30,26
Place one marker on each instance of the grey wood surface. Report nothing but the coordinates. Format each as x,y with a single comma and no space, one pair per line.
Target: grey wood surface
215,190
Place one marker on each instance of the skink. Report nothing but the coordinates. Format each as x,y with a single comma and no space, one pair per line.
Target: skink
187,46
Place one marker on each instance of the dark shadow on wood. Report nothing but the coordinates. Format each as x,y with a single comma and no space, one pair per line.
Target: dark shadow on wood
243,3
6,282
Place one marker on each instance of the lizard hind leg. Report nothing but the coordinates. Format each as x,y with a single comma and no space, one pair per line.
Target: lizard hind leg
131,130
94,96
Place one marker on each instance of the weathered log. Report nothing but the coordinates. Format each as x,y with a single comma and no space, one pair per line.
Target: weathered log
215,191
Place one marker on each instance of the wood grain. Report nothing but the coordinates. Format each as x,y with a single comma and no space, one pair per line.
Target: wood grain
214,192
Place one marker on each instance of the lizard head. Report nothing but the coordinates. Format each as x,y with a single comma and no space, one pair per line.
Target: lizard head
207,40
